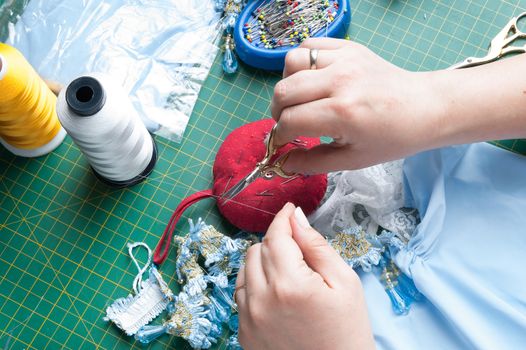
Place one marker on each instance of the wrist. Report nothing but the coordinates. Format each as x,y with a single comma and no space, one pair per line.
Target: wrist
429,111
455,111
478,104
445,108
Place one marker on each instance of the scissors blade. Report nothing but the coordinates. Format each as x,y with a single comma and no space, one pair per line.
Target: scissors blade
471,62
241,185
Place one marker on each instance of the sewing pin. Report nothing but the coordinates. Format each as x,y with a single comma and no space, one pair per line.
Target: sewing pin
265,193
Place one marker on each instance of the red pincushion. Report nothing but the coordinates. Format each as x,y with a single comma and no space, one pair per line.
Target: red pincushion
254,208
251,210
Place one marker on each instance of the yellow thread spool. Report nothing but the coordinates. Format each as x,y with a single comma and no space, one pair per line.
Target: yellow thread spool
29,125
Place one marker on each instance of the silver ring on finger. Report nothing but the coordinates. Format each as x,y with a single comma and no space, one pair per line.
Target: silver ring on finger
313,55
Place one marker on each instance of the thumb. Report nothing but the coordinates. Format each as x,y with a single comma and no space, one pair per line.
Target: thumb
320,159
317,253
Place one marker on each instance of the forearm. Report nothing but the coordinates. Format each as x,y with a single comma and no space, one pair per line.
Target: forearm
481,103
378,112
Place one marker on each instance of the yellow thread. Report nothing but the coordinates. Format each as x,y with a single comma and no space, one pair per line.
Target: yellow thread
27,106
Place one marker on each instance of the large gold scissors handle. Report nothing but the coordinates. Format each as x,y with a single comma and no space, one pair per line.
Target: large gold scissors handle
500,46
269,168
265,168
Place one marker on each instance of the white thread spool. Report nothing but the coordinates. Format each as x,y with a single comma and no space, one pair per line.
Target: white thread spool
99,117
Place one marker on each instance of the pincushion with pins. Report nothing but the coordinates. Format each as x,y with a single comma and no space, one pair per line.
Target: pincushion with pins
267,29
254,208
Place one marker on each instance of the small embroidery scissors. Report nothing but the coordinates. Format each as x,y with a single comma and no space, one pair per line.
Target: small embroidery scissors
500,45
264,169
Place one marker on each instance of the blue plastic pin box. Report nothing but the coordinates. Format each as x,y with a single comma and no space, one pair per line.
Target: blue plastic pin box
255,54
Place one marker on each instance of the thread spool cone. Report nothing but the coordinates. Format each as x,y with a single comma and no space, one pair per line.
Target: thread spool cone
135,180
85,97
29,125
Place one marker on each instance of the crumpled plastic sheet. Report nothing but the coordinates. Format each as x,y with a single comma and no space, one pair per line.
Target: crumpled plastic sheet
10,10
160,50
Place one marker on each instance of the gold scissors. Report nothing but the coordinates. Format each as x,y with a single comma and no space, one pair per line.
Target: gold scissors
500,45
264,169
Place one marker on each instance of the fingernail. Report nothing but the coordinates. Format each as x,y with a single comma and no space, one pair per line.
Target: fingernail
301,219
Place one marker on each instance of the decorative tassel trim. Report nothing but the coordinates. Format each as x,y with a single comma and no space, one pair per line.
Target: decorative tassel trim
373,252
205,305
355,249
190,321
399,287
231,10
206,302
133,312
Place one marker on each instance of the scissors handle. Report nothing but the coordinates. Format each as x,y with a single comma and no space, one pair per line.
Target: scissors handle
511,32
269,170
500,45
271,147
264,169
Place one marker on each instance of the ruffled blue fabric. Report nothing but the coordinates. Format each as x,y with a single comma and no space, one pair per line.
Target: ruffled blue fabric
466,256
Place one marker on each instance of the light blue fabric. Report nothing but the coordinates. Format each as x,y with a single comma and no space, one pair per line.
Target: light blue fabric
468,255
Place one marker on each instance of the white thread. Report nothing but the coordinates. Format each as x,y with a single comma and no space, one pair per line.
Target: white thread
114,140
162,179
137,282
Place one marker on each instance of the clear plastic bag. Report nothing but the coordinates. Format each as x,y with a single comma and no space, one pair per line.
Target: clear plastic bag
160,50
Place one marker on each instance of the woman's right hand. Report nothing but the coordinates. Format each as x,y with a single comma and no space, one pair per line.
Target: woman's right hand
373,110
376,112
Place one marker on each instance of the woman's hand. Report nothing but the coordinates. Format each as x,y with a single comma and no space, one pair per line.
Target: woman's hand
376,112
295,292
373,110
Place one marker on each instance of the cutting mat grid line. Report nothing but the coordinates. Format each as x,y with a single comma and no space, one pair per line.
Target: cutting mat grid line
63,257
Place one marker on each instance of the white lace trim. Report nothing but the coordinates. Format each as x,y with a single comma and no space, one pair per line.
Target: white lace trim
133,312
369,197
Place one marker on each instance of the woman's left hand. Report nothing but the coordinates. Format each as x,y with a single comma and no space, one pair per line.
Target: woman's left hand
295,292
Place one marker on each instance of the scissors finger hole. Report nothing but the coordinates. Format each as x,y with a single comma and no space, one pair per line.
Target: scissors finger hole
268,175
521,23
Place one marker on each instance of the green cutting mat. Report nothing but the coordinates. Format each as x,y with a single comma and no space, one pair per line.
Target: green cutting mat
63,235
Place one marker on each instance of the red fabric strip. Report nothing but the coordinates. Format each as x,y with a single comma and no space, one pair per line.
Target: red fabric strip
163,247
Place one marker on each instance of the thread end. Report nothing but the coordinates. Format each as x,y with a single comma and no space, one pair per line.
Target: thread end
85,96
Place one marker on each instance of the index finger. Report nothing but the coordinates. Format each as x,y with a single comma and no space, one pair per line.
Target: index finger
280,254
312,119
